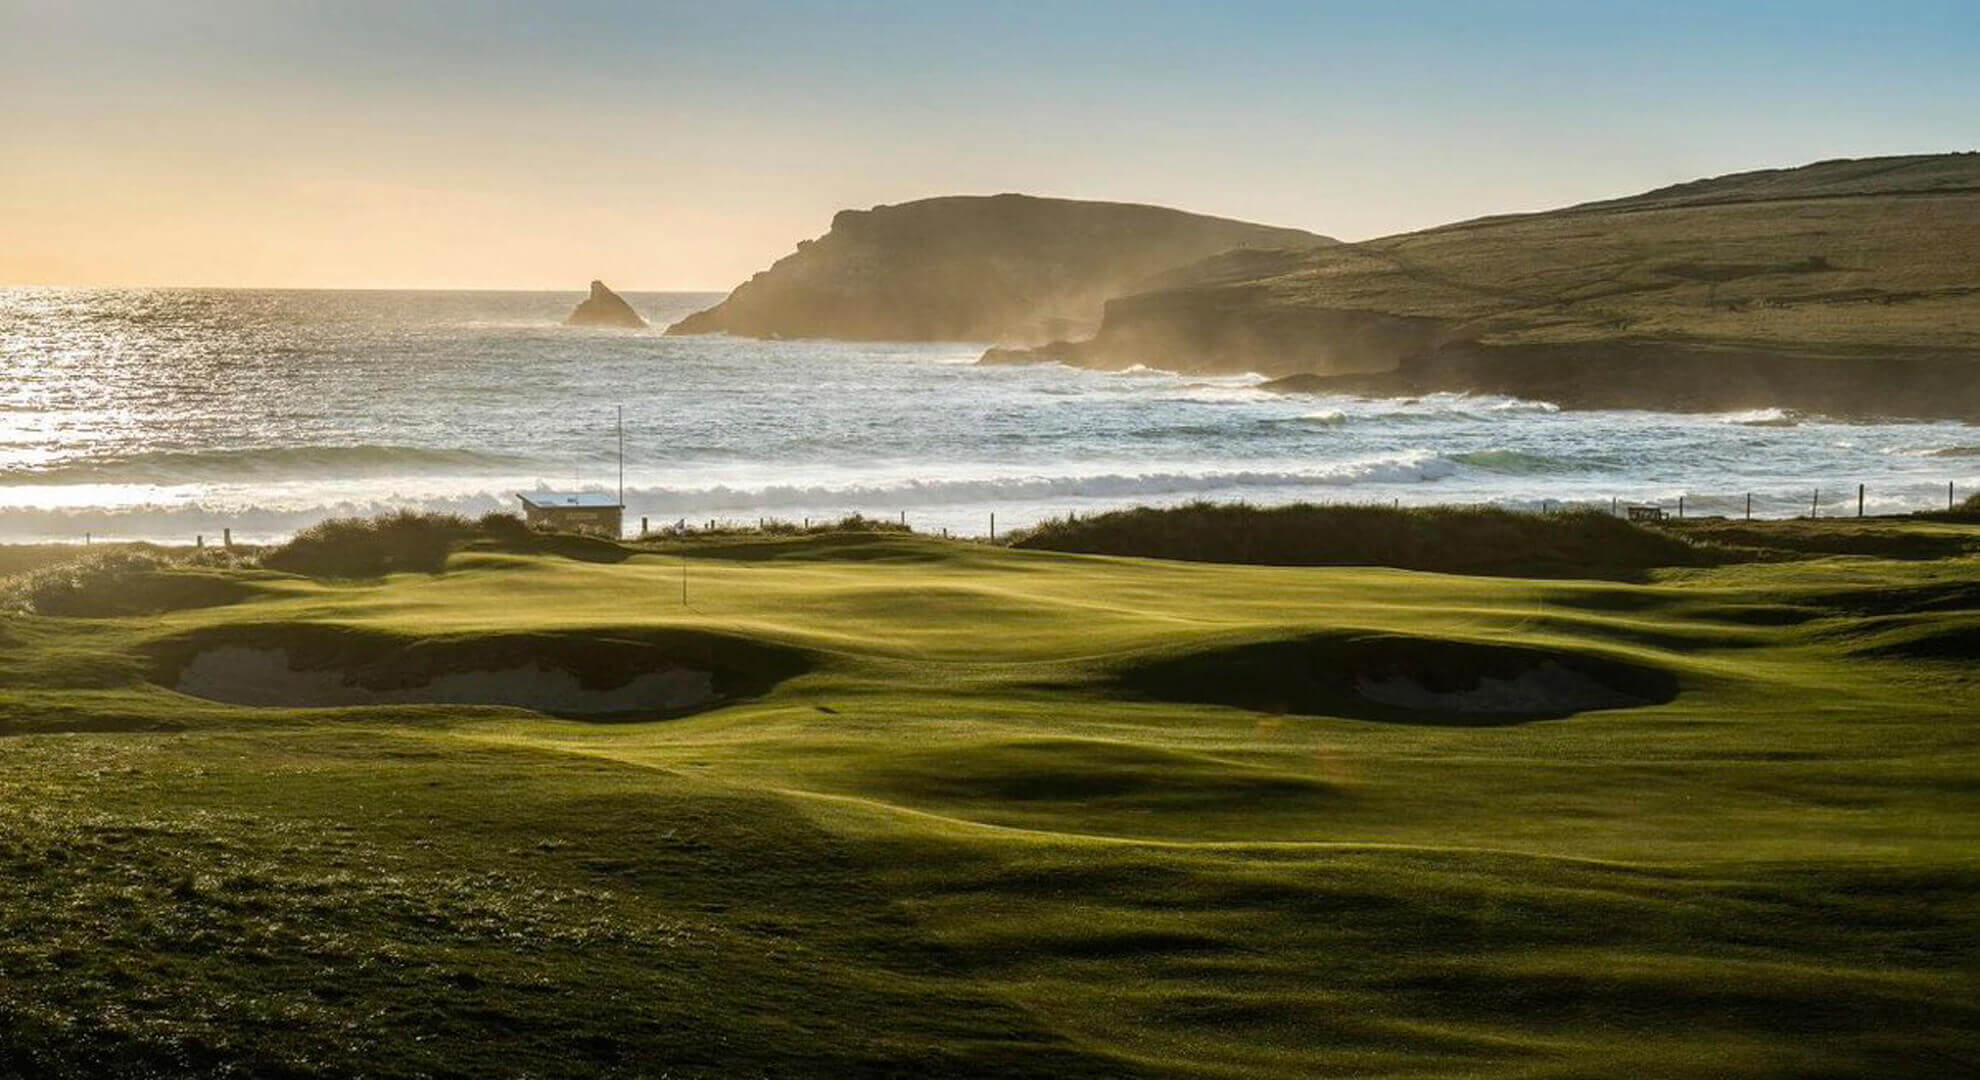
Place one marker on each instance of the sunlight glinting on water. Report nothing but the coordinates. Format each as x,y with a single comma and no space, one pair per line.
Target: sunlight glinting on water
162,414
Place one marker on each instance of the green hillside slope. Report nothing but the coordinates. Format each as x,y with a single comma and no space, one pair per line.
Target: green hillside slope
1002,268
1845,286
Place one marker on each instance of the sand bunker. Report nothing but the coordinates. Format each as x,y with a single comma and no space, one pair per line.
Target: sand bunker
1400,678
1548,688
241,675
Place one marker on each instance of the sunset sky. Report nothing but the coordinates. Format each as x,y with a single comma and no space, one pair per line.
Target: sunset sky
683,146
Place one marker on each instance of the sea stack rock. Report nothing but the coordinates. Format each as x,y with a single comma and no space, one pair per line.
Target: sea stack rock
604,308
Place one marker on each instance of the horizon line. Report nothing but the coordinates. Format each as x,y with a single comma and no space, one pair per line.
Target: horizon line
105,287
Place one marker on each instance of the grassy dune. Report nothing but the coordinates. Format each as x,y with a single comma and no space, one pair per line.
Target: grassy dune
1445,539
955,827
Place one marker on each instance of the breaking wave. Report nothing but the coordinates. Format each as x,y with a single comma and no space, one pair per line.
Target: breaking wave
1398,469
181,522
1517,462
252,521
209,466
1780,418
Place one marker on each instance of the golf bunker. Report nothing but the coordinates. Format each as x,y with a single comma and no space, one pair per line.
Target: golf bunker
593,675
1401,679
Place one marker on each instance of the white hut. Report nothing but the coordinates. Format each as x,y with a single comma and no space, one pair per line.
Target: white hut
595,512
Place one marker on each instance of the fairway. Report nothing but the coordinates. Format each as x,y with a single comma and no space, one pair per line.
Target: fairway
948,809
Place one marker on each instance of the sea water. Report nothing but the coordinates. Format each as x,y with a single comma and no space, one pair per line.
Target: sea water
168,413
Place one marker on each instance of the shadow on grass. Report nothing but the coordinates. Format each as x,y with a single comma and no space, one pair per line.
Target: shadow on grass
632,674
1399,679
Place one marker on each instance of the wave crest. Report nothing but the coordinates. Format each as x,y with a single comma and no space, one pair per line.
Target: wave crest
165,467
181,521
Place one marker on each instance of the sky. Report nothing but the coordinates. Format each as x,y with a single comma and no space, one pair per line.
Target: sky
660,145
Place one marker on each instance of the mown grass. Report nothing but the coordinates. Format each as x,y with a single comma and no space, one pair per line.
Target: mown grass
952,845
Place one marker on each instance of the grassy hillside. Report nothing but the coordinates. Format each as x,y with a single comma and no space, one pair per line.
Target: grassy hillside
991,812
1845,286
1002,268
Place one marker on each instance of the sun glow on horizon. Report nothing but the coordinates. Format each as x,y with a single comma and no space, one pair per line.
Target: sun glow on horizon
678,147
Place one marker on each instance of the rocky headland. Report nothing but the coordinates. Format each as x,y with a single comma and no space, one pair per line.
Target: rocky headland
1846,287
1010,269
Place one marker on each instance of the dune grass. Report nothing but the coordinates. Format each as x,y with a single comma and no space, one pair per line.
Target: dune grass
406,541
1448,539
1919,536
952,844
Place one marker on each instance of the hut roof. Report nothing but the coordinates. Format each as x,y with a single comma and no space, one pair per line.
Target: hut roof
587,500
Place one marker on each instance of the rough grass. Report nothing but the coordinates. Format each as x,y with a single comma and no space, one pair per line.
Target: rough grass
1843,258
133,580
407,541
851,523
1458,540
1911,537
950,846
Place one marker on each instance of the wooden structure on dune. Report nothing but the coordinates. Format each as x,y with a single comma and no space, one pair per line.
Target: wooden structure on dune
596,512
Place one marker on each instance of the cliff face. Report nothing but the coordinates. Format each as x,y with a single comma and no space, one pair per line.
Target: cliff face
604,308
1843,287
1233,330
1005,268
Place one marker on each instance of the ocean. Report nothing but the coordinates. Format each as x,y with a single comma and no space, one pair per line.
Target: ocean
163,414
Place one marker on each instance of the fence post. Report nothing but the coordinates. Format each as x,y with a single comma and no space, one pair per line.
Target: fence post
85,539
642,525
1859,500
993,526
1749,506
227,537
199,541
1680,508
1615,506
1815,505
1949,502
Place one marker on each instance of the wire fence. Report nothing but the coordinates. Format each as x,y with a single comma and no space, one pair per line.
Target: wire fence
1822,501
1825,500
1815,501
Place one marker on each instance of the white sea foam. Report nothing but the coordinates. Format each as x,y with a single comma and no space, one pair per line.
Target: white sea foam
1781,418
171,413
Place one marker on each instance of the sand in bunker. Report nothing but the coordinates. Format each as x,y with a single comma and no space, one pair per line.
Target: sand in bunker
246,676
1549,687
